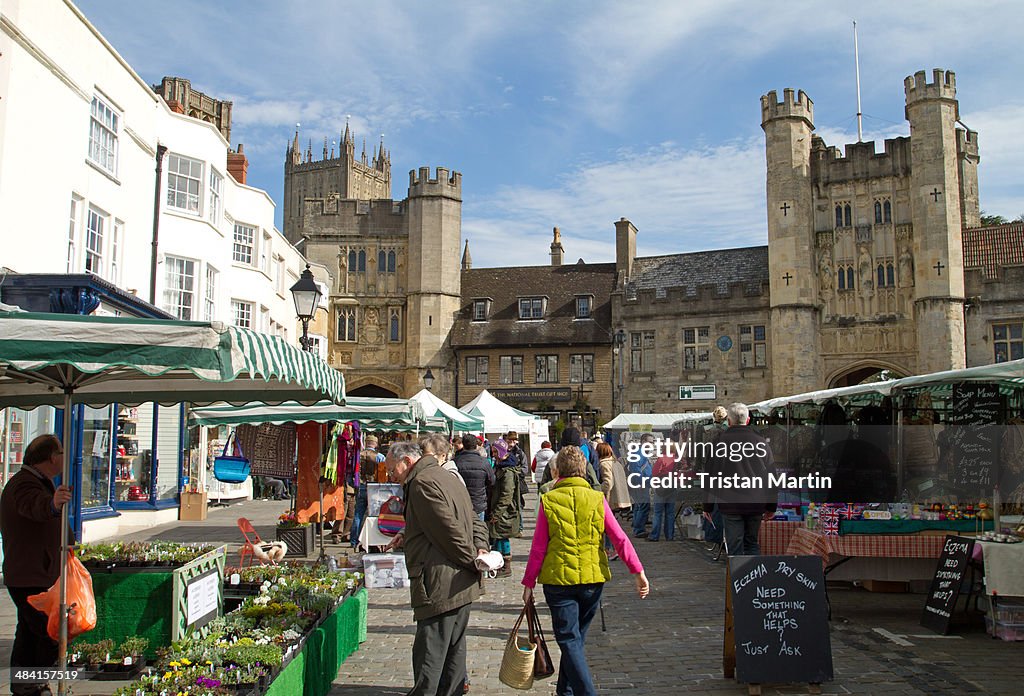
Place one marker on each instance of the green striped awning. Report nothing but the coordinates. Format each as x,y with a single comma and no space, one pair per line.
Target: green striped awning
371,413
131,361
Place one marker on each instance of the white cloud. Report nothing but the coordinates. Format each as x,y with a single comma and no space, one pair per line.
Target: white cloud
680,200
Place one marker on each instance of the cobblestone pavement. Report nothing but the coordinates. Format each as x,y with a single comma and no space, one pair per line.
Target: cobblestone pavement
670,643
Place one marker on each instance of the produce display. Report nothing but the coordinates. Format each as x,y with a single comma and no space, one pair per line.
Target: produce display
135,554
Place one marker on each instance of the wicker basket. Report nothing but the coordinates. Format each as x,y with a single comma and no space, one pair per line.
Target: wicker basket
517,661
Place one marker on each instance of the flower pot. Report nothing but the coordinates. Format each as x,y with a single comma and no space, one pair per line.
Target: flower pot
298,539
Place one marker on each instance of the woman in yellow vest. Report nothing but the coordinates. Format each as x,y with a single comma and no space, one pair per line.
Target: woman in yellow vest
568,558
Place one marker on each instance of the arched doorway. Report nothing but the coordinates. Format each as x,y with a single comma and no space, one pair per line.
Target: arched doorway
864,373
372,390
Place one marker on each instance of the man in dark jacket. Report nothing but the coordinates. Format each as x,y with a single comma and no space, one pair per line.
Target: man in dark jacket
745,458
30,524
476,472
443,538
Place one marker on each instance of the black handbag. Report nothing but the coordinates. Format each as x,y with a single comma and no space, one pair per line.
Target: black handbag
542,664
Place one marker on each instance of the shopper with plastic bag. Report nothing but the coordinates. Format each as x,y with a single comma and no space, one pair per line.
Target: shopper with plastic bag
30,519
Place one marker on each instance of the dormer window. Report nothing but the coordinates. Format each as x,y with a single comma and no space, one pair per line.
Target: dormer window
481,308
531,307
584,305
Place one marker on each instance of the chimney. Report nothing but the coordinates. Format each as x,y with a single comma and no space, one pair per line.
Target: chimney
238,164
625,249
556,248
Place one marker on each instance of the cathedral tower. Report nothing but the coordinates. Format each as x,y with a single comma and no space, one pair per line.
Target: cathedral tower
936,193
792,274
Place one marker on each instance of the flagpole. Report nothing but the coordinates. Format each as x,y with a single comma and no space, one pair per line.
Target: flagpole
856,60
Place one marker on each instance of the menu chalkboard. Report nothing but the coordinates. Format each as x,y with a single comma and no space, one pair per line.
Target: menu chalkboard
973,435
949,574
780,619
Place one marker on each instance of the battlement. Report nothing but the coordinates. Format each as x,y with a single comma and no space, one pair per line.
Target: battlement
444,184
943,86
799,107
859,161
967,143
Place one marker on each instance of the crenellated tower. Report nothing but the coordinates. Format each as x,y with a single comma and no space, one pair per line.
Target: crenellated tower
434,214
341,173
942,163
788,125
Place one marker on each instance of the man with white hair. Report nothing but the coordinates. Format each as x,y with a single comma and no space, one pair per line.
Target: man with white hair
745,458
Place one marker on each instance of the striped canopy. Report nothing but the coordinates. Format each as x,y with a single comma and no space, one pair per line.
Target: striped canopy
371,413
102,360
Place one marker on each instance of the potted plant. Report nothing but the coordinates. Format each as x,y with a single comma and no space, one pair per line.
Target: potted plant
95,654
134,649
297,535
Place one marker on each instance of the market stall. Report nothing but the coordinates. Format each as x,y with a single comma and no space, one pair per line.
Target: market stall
499,418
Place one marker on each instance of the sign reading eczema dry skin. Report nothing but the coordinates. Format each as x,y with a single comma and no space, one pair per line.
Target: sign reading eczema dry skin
780,619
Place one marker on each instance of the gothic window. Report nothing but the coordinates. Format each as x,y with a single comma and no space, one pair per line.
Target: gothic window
362,261
849,278
395,326
839,216
391,262
881,275
878,213
887,211
352,261
382,261
346,330
890,275
847,216
841,284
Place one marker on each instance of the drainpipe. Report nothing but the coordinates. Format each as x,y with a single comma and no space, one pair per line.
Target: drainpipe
161,150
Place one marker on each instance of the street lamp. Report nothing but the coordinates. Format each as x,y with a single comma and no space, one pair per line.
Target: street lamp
428,379
306,295
620,344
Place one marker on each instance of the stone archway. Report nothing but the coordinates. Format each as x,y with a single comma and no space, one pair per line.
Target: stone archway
373,386
871,371
373,390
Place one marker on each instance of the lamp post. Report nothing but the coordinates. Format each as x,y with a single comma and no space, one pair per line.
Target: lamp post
620,345
306,295
428,379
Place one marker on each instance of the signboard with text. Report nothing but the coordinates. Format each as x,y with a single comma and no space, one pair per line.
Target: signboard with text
694,392
539,394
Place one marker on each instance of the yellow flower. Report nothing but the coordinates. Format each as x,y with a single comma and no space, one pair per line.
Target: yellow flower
167,675
175,664
208,662
185,661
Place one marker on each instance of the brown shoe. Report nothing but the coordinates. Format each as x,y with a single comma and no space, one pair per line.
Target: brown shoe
506,570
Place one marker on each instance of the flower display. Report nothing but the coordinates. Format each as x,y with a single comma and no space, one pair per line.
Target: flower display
290,520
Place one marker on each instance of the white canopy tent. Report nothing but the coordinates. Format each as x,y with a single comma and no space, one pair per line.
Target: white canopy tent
499,418
656,421
435,407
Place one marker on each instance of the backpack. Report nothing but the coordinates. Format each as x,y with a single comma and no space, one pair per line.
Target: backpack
589,454
391,520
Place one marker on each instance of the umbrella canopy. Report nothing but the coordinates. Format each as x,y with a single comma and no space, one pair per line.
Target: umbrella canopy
62,360
435,407
372,413
103,360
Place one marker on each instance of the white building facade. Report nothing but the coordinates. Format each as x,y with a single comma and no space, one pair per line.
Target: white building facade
80,133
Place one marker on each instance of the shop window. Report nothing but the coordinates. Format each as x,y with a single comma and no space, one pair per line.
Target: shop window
179,287
103,133
184,183
245,240
547,369
581,368
346,330
241,312
1008,341
696,348
641,351
753,346
476,370
511,368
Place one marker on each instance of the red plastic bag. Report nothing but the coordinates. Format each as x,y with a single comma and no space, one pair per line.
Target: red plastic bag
80,600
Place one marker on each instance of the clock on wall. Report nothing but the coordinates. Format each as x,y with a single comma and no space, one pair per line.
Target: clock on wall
724,343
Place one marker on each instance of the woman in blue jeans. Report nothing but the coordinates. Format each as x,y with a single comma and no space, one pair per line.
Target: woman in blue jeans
567,557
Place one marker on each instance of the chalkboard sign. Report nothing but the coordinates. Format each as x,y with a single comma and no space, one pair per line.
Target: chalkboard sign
780,619
974,435
949,574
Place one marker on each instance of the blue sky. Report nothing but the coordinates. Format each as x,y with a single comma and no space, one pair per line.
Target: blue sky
574,114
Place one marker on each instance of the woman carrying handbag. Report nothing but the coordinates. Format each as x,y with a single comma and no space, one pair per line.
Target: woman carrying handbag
568,558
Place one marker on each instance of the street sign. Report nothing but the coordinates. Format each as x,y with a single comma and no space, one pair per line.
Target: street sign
693,392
